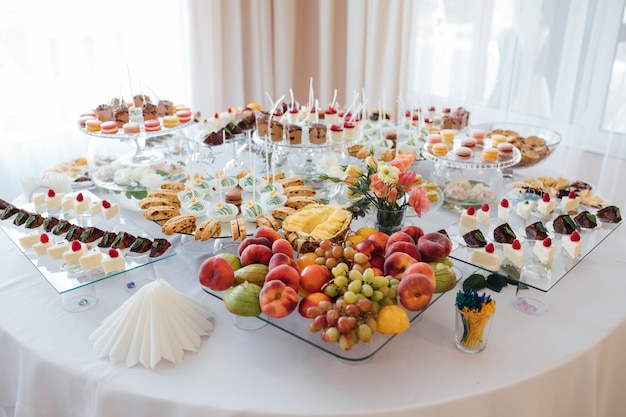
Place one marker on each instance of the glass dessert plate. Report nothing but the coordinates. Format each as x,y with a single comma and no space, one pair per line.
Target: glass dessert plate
52,270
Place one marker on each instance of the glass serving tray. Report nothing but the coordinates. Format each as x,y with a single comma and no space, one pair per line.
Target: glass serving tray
298,327
53,270
126,136
561,264
475,161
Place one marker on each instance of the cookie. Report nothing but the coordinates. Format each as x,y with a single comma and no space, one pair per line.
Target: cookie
169,195
155,201
277,176
173,186
298,190
179,224
268,221
299,202
290,182
160,212
242,228
208,229
234,229
281,213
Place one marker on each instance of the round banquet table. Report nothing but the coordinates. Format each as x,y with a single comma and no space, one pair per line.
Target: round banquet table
567,362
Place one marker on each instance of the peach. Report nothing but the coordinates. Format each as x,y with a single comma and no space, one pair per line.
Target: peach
434,246
422,268
380,238
216,273
311,300
369,248
277,299
282,259
415,291
414,231
267,232
282,245
314,277
396,263
256,254
406,247
377,261
286,274
399,237
253,241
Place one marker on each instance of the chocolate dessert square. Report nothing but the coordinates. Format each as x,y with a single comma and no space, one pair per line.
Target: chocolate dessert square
8,212
475,239
536,231
610,214
586,220
564,225
50,223
21,217
504,234
123,240
34,221
107,240
62,227
141,245
91,234
159,247
74,233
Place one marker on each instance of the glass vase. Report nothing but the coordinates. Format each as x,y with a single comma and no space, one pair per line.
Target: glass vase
389,221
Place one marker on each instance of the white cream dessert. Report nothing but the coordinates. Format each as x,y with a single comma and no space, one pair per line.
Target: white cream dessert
203,186
110,210
570,203
39,199
27,241
249,183
41,247
468,219
572,245
95,208
67,203
113,261
188,193
74,252
251,211
514,252
486,257
57,250
81,203
53,200
546,205
504,210
273,199
544,251
524,208
91,259
483,216
336,133
224,212
195,207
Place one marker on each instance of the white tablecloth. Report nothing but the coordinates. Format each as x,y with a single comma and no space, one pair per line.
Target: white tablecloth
568,362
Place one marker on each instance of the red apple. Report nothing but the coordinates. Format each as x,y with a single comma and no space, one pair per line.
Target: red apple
277,299
380,238
415,291
282,259
311,300
282,246
216,273
267,232
434,246
369,248
253,241
286,274
406,247
313,277
414,231
422,268
399,237
396,263
256,254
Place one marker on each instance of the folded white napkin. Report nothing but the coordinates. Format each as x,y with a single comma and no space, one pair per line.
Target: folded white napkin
157,322
60,183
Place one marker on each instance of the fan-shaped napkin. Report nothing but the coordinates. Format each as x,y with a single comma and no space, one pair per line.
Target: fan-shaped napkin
157,322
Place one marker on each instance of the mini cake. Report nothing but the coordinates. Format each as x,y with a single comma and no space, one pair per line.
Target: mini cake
564,225
8,212
336,133
505,151
159,247
27,241
74,252
56,250
95,208
475,239
249,183
544,251
141,245
484,214
81,203
572,245
107,240
251,211
190,192
439,149
227,183
462,153
273,199
570,203
39,199
536,231
196,207
468,218
504,234
90,234
546,205
33,221
91,259
490,155
276,131
586,220
41,247
203,186
49,223
514,252
74,233
62,227
67,203
21,217
223,212
149,112
609,214
317,133
53,200
294,134
524,208
110,210
486,257
123,240
113,261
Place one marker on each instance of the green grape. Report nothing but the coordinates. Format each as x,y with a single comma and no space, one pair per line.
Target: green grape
371,323
388,301
367,290
355,286
345,343
355,275
320,260
368,274
393,293
364,333
378,295
331,334
380,282
394,281
349,297
375,307
331,290
341,281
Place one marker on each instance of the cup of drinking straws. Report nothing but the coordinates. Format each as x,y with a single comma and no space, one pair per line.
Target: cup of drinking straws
474,316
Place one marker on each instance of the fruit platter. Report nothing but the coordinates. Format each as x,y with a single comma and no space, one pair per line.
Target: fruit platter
77,239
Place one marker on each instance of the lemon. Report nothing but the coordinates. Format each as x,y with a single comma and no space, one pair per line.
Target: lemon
392,319
365,231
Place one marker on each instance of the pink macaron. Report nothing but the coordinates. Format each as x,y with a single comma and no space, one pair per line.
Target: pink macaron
152,125
463,153
505,151
131,128
478,134
469,143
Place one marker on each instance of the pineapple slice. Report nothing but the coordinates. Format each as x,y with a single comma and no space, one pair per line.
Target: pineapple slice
316,222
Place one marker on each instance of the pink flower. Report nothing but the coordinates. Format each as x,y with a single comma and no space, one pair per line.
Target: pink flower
406,180
393,195
403,161
378,187
418,199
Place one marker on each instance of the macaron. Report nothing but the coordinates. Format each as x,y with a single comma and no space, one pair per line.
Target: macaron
131,128
152,125
490,154
505,151
469,143
463,153
478,134
170,121
497,139
183,115
447,136
109,127
441,149
431,139
93,125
